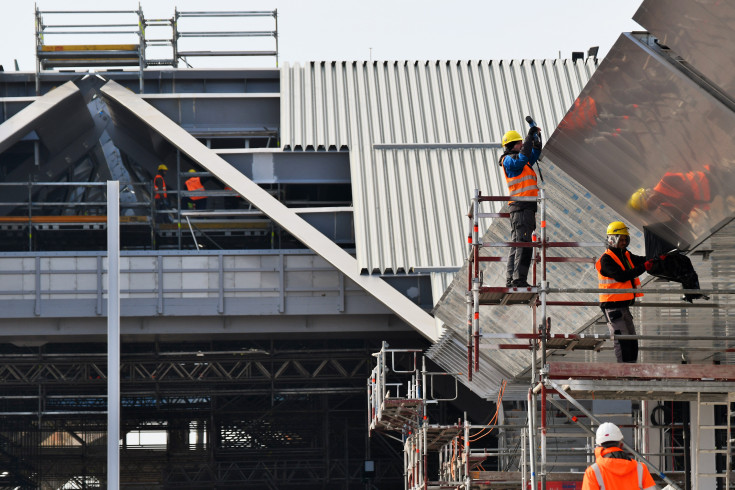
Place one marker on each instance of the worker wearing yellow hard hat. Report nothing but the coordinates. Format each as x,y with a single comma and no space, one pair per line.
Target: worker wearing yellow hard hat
637,201
517,161
160,194
194,184
618,271
676,194
159,186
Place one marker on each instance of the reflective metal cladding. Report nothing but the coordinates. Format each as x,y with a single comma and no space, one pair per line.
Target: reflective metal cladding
699,31
651,143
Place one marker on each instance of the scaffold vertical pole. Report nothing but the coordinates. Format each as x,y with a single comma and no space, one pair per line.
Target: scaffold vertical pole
476,243
39,42
476,321
531,435
468,300
141,48
544,282
467,450
543,333
542,469
728,458
524,448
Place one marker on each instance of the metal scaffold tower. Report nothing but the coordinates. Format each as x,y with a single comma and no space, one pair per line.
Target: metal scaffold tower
435,455
564,384
552,442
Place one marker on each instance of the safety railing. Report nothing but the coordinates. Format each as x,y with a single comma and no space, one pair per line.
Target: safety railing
131,36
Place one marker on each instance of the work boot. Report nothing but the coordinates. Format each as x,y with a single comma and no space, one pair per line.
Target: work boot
509,283
520,283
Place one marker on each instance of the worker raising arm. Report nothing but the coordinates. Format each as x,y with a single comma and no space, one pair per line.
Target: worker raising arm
517,161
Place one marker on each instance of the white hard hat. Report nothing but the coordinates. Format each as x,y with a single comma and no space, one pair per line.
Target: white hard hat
608,432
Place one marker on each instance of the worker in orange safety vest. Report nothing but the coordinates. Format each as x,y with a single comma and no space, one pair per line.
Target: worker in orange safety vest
517,161
617,269
160,195
194,184
677,193
159,187
615,469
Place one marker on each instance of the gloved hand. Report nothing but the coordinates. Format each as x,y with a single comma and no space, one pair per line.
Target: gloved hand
648,264
532,131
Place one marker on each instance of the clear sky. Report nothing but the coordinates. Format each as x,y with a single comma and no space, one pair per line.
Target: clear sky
318,30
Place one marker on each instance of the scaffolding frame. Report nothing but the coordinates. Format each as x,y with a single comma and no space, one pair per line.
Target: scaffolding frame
71,56
715,383
400,407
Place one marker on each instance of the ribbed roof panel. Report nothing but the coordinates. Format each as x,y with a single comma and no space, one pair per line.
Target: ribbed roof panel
411,191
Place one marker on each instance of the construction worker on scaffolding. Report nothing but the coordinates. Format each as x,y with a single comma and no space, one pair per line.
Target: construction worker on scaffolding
160,194
615,469
517,161
194,184
617,268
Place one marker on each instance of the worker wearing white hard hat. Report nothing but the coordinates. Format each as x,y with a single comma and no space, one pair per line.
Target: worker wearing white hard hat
615,469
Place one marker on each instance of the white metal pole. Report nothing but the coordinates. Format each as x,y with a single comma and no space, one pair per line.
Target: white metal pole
113,335
532,436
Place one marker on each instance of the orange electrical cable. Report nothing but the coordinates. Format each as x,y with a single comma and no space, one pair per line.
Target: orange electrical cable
487,430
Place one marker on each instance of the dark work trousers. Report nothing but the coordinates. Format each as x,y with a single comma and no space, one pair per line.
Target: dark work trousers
522,225
620,322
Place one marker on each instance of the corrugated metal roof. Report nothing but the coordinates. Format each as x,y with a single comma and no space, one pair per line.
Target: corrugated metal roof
435,124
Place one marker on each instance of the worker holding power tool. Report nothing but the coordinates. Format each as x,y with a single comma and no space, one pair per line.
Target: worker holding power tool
517,161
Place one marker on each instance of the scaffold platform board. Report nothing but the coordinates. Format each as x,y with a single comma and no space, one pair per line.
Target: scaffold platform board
644,381
507,296
436,437
492,480
607,370
575,344
397,413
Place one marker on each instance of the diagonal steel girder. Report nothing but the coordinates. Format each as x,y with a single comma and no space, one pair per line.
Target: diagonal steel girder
45,116
404,308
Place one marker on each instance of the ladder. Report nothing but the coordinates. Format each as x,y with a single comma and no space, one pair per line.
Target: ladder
706,443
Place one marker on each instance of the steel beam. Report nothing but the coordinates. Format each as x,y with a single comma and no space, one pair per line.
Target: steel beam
122,99
57,102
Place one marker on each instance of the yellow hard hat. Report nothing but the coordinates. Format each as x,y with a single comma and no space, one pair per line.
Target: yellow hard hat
191,170
638,200
617,228
162,167
511,136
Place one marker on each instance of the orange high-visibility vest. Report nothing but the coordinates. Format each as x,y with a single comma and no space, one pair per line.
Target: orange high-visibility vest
195,184
523,185
612,284
616,474
697,181
582,115
159,184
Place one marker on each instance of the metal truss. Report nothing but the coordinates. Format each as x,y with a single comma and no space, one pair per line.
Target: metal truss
199,366
268,414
